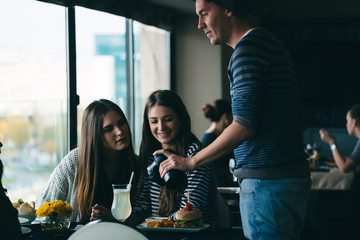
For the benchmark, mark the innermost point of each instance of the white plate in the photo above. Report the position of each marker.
(106, 230)
(143, 226)
(23, 220)
(25, 230)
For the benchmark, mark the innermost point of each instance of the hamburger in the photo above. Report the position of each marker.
(189, 217)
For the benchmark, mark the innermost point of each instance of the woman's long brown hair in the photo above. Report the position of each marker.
(169, 201)
(90, 155)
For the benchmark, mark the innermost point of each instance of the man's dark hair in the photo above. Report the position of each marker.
(243, 8)
(355, 113)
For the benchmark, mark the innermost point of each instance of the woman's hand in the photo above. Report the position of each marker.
(326, 136)
(99, 211)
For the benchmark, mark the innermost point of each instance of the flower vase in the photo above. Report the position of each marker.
(55, 226)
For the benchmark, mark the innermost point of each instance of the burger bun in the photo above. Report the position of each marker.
(188, 215)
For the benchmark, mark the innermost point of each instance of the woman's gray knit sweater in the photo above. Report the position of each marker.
(61, 185)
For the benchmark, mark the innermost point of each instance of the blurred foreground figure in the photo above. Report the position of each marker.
(9, 222)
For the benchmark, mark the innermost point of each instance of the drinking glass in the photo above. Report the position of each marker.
(309, 149)
(121, 206)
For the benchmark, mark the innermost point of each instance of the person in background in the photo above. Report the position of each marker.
(105, 156)
(270, 162)
(329, 211)
(9, 222)
(166, 124)
(346, 164)
(220, 115)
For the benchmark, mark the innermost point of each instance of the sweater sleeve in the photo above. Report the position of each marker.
(60, 184)
(247, 74)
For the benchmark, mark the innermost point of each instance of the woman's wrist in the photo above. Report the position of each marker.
(331, 142)
(333, 146)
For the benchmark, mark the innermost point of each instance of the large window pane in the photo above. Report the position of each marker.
(101, 58)
(151, 67)
(102, 66)
(33, 99)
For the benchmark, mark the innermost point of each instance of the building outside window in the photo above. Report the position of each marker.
(33, 78)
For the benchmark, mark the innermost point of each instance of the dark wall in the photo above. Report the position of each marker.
(326, 54)
(323, 37)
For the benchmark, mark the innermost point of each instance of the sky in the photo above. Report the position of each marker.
(23, 22)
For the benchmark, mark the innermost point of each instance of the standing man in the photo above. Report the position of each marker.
(271, 165)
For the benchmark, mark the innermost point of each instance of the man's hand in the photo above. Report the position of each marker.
(174, 161)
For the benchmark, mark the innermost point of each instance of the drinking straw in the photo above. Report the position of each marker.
(188, 196)
(131, 177)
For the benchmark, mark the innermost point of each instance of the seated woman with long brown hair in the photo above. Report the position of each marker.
(105, 156)
(167, 125)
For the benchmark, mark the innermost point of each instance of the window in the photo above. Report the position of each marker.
(33, 102)
(116, 58)
(151, 68)
(103, 59)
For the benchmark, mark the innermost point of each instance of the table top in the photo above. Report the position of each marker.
(331, 180)
(211, 233)
(224, 190)
(208, 234)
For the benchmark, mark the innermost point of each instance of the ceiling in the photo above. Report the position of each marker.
(184, 6)
(284, 9)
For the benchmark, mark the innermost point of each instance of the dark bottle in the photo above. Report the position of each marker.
(174, 179)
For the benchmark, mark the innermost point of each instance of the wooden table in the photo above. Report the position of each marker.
(333, 180)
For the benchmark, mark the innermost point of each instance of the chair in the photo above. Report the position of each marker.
(222, 214)
(106, 231)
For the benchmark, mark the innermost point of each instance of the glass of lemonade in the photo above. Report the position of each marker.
(121, 206)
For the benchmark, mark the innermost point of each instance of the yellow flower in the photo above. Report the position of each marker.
(55, 208)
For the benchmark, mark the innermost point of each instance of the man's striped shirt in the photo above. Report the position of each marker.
(265, 98)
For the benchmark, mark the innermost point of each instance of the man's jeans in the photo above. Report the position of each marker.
(274, 208)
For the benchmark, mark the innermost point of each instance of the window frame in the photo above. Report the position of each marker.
(73, 102)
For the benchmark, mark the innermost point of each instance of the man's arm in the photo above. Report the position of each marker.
(231, 137)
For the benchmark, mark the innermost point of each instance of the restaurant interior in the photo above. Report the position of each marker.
(323, 38)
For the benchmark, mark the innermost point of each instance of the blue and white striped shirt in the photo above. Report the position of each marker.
(265, 98)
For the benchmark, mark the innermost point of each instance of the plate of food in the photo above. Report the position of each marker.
(26, 211)
(185, 220)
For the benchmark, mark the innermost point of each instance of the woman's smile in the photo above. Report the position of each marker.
(164, 124)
